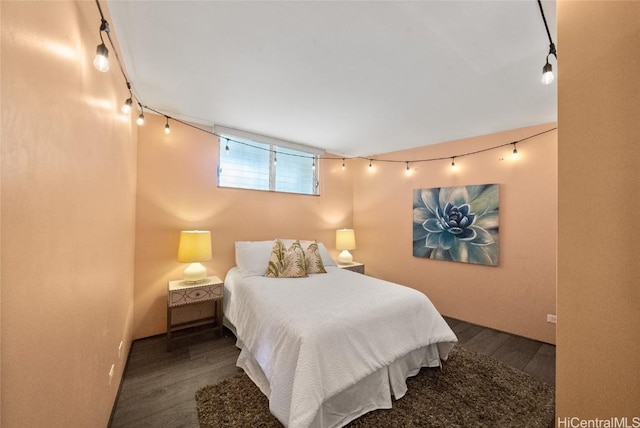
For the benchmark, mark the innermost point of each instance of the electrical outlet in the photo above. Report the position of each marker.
(112, 371)
(120, 349)
(552, 318)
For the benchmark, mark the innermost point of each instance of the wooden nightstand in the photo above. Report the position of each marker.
(353, 266)
(181, 293)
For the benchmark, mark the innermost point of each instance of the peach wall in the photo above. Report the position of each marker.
(598, 363)
(515, 296)
(177, 190)
(68, 162)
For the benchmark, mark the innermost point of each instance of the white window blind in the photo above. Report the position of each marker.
(250, 161)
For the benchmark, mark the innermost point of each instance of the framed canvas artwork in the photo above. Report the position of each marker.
(458, 224)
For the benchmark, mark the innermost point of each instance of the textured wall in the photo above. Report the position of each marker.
(514, 296)
(68, 219)
(177, 190)
(598, 368)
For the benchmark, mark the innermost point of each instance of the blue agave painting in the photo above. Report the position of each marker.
(457, 223)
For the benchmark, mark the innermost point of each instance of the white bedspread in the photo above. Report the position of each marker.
(314, 337)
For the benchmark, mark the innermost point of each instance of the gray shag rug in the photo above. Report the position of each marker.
(472, 390)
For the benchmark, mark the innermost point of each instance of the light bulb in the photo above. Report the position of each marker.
(227, 147)
(167, 129)
(515, 152)
(453, 164)
(140, 120)
(343, 164)
(126, 107)
(101, 61)
(313, 167)
(547, 74)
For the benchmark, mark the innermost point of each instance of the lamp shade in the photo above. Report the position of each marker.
(345, 239)
(195, 246)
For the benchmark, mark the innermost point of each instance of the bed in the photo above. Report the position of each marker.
(328, 347)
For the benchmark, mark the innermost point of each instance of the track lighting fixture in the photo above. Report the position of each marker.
(547, 73)
(275, 159)
(101, 60)
(140, 119)
(126, 107)
(370, 160)
(547, 69)
(167, 128)
(343, 164)
(453, 163)
(226, 148)
(313, 166)
(407, 170)
(515, 151)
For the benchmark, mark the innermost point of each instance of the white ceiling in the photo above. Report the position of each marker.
(355, 78)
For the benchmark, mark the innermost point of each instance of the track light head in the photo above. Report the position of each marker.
(514, 154)
(547, 74)
(547, 70)
(126, 107)
(101, 61)
(140, 119)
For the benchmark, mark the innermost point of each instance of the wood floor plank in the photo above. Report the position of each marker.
(517, 351)
(157, 399)
(466, 331)
(487, 341)
(223, 361)
(542, 365)
(182, 415)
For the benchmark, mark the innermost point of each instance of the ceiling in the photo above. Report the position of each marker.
(355, 78)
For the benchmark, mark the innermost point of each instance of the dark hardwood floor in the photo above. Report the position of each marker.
(158, 387)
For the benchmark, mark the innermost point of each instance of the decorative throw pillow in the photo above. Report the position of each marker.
(312, 258)
(327, 260)
(286, 262)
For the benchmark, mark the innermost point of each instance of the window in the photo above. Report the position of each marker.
(250, 161)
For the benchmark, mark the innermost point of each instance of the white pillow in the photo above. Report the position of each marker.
(252, 257)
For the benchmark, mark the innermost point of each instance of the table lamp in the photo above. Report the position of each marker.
(194, 247)
(345, 241)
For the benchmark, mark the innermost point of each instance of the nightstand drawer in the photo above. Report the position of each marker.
(193, 294)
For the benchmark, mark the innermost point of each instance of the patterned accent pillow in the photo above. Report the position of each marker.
(286, 262)
(312, 258)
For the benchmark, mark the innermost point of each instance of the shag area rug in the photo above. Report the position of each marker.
(472, 390)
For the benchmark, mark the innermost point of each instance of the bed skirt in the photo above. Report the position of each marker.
(373, 392)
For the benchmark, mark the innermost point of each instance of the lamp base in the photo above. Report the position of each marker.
(345, 257)
(195, 272)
